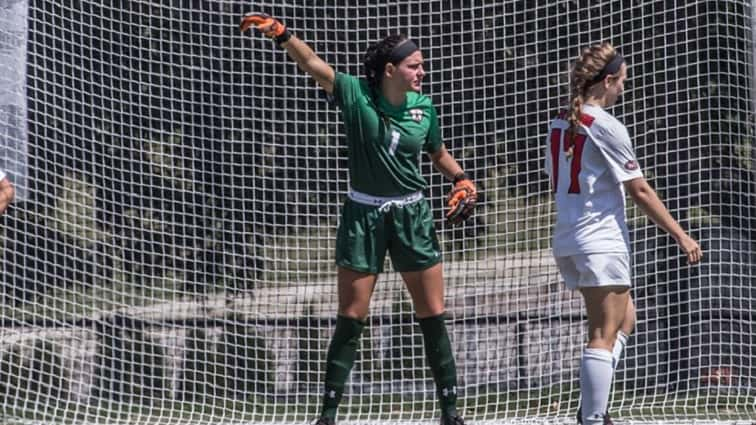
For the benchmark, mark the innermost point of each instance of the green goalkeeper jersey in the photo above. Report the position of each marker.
(385, 141)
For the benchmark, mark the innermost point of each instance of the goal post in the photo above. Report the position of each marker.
(173, 260)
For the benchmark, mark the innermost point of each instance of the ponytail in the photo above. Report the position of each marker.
(588, 69)
(376, 58)
(574, 114)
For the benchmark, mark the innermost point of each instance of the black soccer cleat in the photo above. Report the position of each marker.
(452, 420)
(607, 419)
(325, 420)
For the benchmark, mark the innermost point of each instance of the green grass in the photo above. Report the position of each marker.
(555, 402)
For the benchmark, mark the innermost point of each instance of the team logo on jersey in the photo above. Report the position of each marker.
(631, 165)
(417, 114)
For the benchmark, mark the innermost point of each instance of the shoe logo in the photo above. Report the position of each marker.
(331, 394)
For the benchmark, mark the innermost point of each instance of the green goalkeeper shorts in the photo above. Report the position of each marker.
(366, 232)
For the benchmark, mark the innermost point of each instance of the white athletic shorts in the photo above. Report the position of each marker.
(591, 270)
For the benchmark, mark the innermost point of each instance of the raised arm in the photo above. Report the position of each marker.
(648, 201)
(297, 49)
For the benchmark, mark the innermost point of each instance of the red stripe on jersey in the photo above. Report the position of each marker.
(555, 136)
(586, 120)
(573, 144)
(575, 166)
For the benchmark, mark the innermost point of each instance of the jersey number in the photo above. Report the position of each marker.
(573, 152)
(394, 142)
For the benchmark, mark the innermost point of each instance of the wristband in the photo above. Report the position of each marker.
(460, 176)
(283, 38)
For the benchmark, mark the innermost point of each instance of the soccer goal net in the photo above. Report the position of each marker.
(172, 261)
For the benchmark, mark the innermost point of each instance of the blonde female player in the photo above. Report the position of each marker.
(591, 163)
(387, 123)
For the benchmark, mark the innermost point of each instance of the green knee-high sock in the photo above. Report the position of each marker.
(441, 361)
(339, 361)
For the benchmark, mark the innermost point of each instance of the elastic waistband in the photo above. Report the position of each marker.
(384, 203)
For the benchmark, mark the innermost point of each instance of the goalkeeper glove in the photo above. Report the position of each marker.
(266, 24)
(461, 200)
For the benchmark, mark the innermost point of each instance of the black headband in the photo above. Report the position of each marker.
(401, 51)
(610, 68)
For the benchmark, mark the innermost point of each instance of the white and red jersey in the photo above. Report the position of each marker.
(586, 175)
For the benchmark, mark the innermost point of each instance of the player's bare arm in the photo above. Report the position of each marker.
(7, 193)
(445, 163)
(648, 201)
(464, 195)
(297, 49)
(310, 63)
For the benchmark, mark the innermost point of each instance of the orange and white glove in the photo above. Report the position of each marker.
(461, 200)
(266, 24)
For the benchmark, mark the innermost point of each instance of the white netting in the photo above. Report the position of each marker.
(174, 259)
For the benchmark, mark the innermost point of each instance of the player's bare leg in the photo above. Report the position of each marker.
(355, 289)
(607, 309)
(426, 287)
(626, 329)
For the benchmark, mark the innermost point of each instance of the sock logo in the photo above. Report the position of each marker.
(447, 391)
(331, 393)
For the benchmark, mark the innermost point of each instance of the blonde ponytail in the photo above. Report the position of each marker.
(586, 68)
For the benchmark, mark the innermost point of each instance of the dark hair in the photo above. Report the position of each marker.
(376, 58)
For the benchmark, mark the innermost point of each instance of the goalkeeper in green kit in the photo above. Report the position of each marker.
(387, 123)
